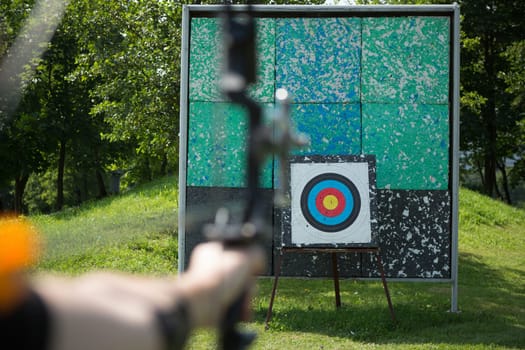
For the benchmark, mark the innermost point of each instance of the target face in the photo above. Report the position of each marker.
(330, 203)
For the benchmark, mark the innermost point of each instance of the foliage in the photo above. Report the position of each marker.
(39, 194)
(515, 79)
(492, 32)
(21, 144)
(103, 97)
(131, 49)
(13, 15)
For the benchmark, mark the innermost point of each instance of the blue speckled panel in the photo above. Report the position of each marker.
(406, 60)
(333, 129)
(318, 59)
(411, 145)
(205, 60)
(217, 146)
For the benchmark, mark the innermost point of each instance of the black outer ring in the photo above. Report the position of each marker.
(348, 221)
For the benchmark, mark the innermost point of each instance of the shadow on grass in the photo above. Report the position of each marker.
(492, 309)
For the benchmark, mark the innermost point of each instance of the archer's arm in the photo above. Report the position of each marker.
(111, 311)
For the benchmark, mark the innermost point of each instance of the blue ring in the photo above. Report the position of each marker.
(322, 222)
(326, 220)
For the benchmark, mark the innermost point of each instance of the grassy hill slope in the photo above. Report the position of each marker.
(134, 232)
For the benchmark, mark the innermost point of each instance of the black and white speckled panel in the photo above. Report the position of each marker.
(414, 234)
(319, 265)
(202, 204)
(314, 265)
(310, 264)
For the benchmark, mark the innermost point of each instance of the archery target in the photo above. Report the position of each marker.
(330, 203)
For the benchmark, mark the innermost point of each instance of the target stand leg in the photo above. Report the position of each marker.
(274, 289)
(385, 286)
(335, 272)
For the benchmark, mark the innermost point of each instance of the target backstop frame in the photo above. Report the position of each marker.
(197, 181)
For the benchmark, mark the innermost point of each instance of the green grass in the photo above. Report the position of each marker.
(135, 233)
(132, 232)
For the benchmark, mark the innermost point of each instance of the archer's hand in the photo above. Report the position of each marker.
(216, 278)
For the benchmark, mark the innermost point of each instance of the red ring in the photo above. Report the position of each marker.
(330, 212)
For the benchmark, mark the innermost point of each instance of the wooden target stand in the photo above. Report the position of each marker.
(370, 249)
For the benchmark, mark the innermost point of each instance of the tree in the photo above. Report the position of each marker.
(488, 122)
(22, 146)
(21, 141)
(515, 79)
(133, 51)
(13, 15)
(53, 113)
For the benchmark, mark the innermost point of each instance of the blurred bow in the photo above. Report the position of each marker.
(275, 137)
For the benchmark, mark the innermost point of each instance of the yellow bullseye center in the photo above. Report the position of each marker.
(330, 202)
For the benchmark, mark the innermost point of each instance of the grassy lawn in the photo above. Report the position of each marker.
(135, 232)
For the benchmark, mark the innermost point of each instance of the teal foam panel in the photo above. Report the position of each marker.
(217, 146)
(406, 60)
(318, 59)
(411, 145)
(206, 60)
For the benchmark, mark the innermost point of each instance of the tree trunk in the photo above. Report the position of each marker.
(149, 173)
(101, 186)
(98, 173)
(85, 187)
(20, 186)
(60, 177)
(489, 182)
(479, 166)
(489, 115)
(164, 164)
(490, 158)
(498, 192)
(505, 181)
